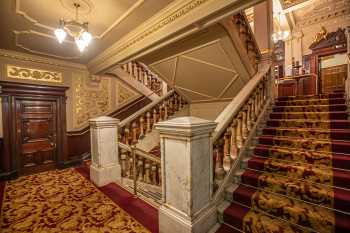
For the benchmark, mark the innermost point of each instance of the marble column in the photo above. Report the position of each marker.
(187, 171)
(105, 167)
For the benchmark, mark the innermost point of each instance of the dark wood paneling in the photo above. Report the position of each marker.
(31, 112)
(78, 142)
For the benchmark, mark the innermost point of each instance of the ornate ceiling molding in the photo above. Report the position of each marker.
(319, 18)
(18, 44)
(168, 21)
(115, 23)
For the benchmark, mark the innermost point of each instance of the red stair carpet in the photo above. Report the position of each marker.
(298, 177)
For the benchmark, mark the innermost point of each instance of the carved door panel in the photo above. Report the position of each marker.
(36, 135)
(333, 78)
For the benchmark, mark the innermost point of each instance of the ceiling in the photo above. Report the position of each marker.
(27, 25)
(203, 67)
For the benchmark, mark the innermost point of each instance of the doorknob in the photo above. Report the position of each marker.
(53, 145)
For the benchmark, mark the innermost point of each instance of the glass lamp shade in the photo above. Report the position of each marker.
(86, 37)
(280, 35)
(60, 35)
(80, 44)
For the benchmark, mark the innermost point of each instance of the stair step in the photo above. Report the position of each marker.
(338, 134)
(297, 212)
(310, 102)
(321, 96)
(298, 123)
(311, 108)
(331, 197)
(248, 220)
(337, 115)
(313, 173)
(337, 146)
(227, 229)
(337, 160)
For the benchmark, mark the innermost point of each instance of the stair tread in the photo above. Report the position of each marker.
(319, 194)
(320, 218)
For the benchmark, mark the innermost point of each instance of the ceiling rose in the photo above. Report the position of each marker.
(85, 8)
(77, 30)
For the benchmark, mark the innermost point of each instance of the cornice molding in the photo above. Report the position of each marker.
(41, 60)
(178, 19)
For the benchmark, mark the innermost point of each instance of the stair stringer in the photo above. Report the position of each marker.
(129, 79)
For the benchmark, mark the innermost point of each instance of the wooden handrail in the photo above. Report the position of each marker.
(144, 110)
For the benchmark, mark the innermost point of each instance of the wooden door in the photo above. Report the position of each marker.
(333, 78)
(36, 135)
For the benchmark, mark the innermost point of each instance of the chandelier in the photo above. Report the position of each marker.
(280, 34)
(79, 31)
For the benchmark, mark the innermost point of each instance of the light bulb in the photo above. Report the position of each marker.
(60, 34)
(81, 44)
(86, 37)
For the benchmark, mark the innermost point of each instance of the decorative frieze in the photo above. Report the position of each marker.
(17, 72)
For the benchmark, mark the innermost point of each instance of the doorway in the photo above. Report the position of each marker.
(34, 125)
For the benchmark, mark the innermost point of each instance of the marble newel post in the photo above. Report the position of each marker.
(187, 171)
(105, 167)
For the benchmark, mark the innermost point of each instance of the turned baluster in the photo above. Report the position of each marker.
(233, 142)
(147, 176)
(142, 127)
(159, 175)
(256, 101)
(171, 106)
(126, 135)
(160, 110)
(130, 68)
(165, 107)
(227, 162)
(148, 122)
(134, 71)
(239, 137)
(219, 169)
(176, 103)
(140, 169)
(134, 132)
(154, 173)
(245, 131)
(155, 118)
(140, 72)
(130, 173)
(123, 165)
(145, 76)
(249, 116)
(125, 67)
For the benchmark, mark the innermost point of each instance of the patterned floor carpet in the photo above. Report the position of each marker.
(62, 201)
(298, 177)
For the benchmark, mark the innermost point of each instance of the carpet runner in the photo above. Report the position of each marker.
(66, 201)
(297, 179)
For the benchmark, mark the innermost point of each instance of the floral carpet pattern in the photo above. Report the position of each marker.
(61, 201)
(298, 177)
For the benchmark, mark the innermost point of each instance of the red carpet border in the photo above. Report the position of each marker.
(144, 213)
(297, 178)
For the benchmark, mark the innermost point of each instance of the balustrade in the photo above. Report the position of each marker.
(247, 38)
(228, 145)
(143, 123)
(144, 76)
(139, 166)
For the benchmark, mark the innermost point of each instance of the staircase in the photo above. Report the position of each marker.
(297, 176)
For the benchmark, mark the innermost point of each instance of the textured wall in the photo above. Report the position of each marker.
(208, 111)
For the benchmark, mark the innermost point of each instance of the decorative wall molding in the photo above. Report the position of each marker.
(170, 20)
(40, 60)
(17, 72)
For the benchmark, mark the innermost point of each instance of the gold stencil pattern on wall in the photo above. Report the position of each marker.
(33, 74)
(124, 94)
(90, 101)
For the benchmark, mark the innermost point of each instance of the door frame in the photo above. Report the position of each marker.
(10, 92)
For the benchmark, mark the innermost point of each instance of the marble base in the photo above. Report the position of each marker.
(105, 175)
(170, 221)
